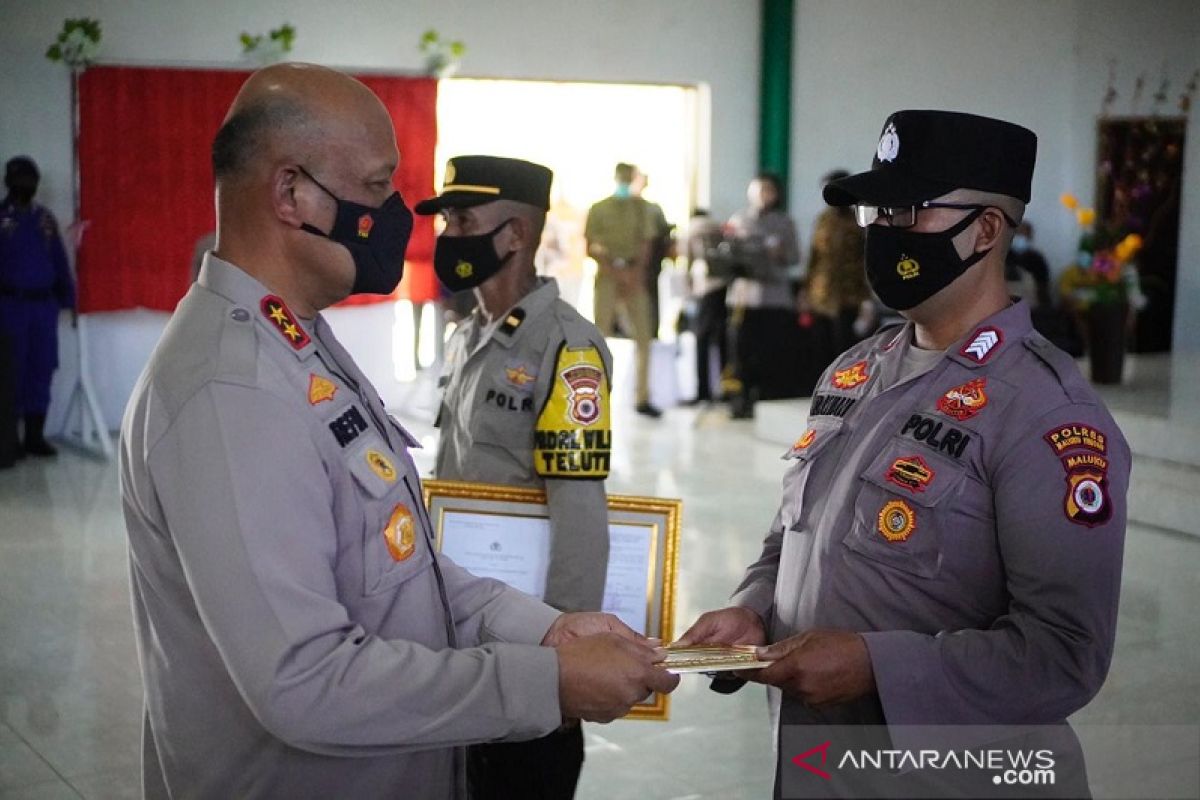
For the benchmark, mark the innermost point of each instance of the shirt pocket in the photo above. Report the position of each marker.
(395, 544)
(815, 443)
(503, 419)
(901, 509)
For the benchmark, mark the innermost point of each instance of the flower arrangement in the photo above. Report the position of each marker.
(77, 43)
(442, 56)
(269, 47)
(1104, 270)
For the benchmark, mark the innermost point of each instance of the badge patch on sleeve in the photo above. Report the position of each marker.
(851, 376)
(573, 437)
(400, 533)
(806, 439)
(897, 521)
(1087, 500)
(1076, 435)
(964, 402)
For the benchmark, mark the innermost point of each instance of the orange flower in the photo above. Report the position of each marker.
(1086, 216)
(1069, 201)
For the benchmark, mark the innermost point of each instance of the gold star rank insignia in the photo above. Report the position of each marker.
(281, 318)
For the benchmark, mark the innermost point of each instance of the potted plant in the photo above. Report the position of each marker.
(1102, 290)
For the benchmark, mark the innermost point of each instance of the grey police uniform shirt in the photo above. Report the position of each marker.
(298, 636)
(968, 521)
(496, 386)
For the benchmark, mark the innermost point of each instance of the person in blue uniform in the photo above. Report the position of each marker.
(35, 283)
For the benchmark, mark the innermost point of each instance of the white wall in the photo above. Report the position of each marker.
(665, 41)
(1041, 64)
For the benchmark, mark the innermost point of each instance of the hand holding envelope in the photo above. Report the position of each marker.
(820, 667)
(605, 667)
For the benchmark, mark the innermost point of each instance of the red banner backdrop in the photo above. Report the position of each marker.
(147, 186)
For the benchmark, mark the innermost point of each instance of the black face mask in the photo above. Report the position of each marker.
(377, 239)
(464, 262)
(906, 268)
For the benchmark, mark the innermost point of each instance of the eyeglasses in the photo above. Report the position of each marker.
(906, 216)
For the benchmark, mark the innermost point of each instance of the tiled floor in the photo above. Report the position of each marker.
(70, 690)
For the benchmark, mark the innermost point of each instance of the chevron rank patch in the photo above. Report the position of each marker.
(979, 349)
(281, 318)
(573, 436)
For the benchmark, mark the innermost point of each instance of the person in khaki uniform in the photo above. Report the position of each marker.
(526, 403)
(947, 551)
(298, 634)
(620, 232)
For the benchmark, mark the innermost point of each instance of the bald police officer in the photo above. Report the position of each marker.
(948, 546)
(526, 403)
(298, 635)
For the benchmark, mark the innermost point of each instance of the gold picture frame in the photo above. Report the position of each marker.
(647, 531)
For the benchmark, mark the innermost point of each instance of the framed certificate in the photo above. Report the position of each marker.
(503, 532)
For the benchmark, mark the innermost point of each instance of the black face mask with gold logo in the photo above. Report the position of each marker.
(906, 268)
(464, 262)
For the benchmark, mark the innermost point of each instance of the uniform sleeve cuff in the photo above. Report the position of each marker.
(759, 599)
(529, 686)
(518, 618)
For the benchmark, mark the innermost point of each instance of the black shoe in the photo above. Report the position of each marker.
(35, 443)
(647, 410)
(695, 401)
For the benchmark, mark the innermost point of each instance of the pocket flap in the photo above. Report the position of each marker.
(815, 438)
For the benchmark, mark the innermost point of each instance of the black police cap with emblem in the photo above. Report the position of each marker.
(926, 154)
(475, 180)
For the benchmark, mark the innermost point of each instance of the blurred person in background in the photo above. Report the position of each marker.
(761, 303)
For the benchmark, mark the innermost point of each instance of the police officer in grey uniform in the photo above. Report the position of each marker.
(948, 546)
(298, 635)
(526, 404)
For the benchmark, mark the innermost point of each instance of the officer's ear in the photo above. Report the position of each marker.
(520, 231)
(294, 200)
(991, 225)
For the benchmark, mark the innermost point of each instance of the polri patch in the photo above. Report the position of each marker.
(936, 433)
(965, 401)
(284, 321)
(896, 521)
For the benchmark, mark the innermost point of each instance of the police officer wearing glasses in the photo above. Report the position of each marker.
(948, 546)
